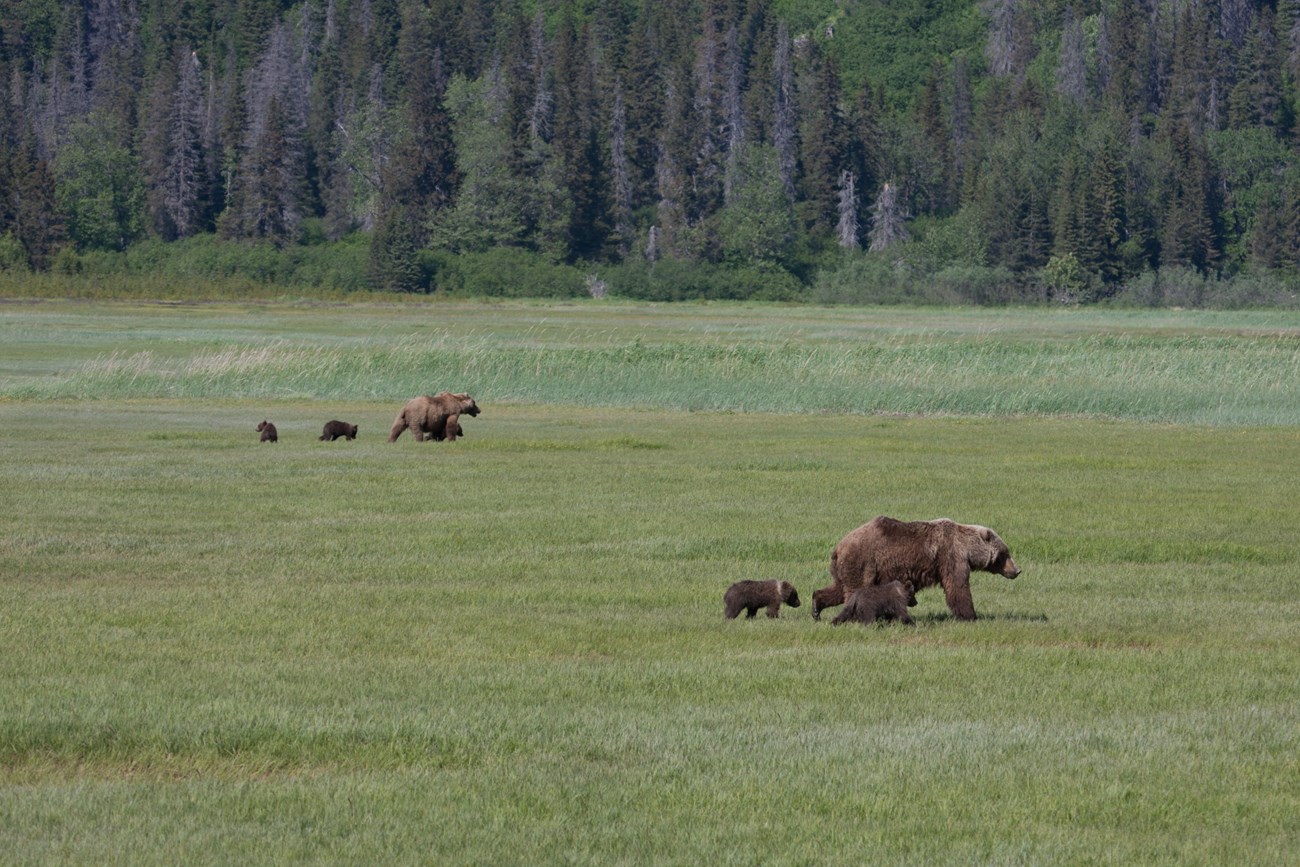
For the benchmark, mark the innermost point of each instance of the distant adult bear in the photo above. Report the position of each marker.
(338, 430)
(922, 553)
(889, 601)
(450, 431)
(437, 417)
(269, 434)
(750, 596)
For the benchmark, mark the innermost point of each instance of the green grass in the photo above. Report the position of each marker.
(510, 649)
(1190, 369)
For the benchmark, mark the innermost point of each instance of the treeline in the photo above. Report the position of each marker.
(992, 151)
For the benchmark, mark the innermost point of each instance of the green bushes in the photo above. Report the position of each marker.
(674, 280)
(204, 267)
(503, 272)
(872, 279)
(339, 266)
(1186, 287)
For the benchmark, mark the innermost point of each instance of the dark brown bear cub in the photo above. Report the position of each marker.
(268, 432)
(750, 596)
(889, 601)
(338, 430)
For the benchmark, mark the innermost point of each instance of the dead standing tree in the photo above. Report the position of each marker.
(888, 220)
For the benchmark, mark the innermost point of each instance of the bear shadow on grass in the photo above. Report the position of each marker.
(1009, 617)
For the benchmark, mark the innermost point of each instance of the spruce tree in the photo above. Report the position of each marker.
(37, 223)
(184, 179)
(822, 142)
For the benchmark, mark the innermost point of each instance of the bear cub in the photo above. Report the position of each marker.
(875, 602)
(750, 596)
(268, 432)
(338, 430)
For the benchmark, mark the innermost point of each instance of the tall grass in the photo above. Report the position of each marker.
(1200, 370)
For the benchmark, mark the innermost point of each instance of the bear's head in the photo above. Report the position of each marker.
(467, 404)
(352, 431)
(789, 595)
(262, 425)
(909, 591)
(989, 553)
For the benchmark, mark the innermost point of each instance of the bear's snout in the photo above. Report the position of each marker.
(1011, 570)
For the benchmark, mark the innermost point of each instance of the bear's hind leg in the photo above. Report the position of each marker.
(827, 597)
(399, 425)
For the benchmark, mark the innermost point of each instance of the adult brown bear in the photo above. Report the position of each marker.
(436, 416)
(922, 553)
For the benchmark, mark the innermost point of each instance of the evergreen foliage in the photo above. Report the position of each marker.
(1084, 143)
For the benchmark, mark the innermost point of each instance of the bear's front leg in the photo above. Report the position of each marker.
(957, 594)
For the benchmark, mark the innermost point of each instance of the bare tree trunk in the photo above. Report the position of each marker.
(185, 171)
(1072, 71)
(847, 228)
(620, 175)
(887, 220)
(783, 120)
(733, 110)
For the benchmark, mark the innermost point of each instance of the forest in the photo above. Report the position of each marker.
(953, 151)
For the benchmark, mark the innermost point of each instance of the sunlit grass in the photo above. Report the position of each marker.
(511, 650)
(1224, 369)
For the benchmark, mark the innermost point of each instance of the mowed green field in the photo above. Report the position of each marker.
(511, 650)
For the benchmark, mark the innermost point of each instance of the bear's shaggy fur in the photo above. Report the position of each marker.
(750, 596)
(436, 416)
(268, 432)
(889, 601)
(922, 553)
(338, 430)
(450, 430)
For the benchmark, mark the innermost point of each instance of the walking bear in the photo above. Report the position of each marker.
(922, 553)
(889, 601)
(749, 596)
(338, 430)
(436, 416)
(268, 432)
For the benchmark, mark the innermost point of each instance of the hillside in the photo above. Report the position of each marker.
(1002, 150)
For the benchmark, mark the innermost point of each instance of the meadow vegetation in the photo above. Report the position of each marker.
(511, 650)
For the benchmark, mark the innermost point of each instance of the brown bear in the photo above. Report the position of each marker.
(753, 595)
(449, 430)
(437, 416)
(922, 553)
(268, 432)
(338, 430)
(889, 601)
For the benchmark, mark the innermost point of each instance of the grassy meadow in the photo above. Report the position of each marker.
(510, 649)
